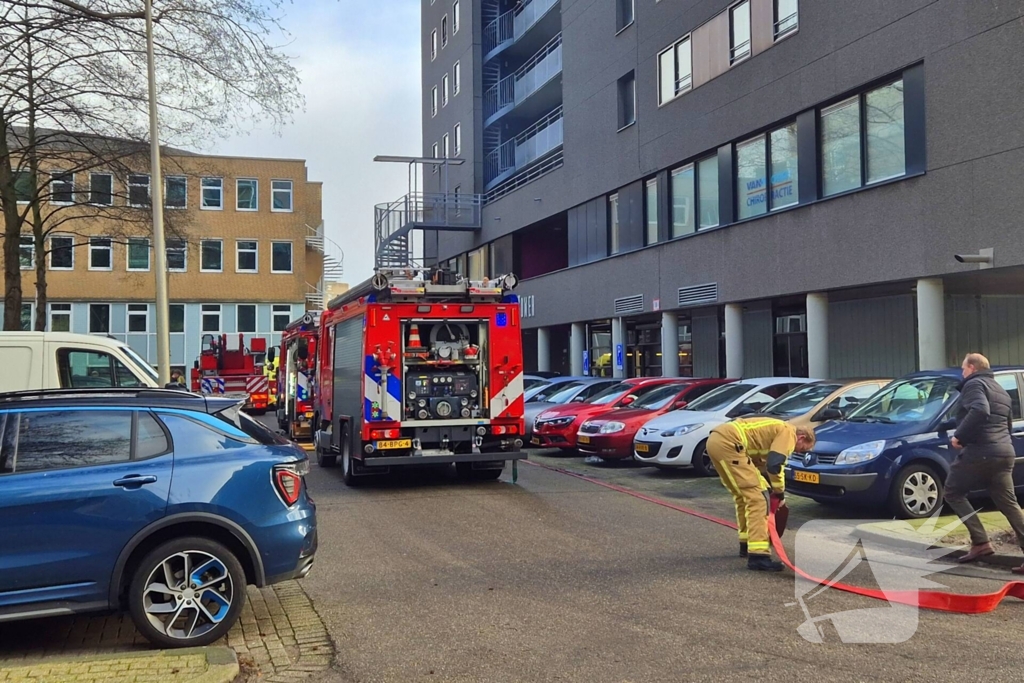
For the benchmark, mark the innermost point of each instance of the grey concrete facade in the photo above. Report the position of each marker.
(870, 246)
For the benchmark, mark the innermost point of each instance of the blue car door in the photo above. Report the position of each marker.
(75, 486)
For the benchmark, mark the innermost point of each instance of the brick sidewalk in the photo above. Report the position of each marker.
(278, 638)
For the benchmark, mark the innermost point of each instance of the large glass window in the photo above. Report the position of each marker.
(751, 186)
(624, 15)
(433, 101)
(138, 190)
(652, 210)
(177, 192)
(27, 309)
(683, 201)
(27, 252)
(99, 318)
(281, 195)
(177, 317)
(62, 188)
(456, 78)
(477, 263)
(444, 90)
(455, 17)
(247, 194)
(282, 315)
(627, 100)
(675, 70)
(739, 34)
(886, 144)
(786, 17)
(62, 253)
(138, 253)
(101, 189)
(613, 224)
(281, 257)
(138, 317)
(785, 190)
(246, 317)
(246, 260)
(707, 182)
(840, 147)
(60, 317)
(100, 253)
(211, 256)
(685, 348)
(211, 317)
(177, 255)
(213, 193)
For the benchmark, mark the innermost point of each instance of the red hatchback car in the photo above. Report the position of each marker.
(556, 428)
(609, 434)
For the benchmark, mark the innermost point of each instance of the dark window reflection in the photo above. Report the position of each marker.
(73, 438)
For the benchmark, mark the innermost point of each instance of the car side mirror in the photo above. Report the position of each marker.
(826, 414)
(628, 400)
(947, 425)
(681, 404)
(271, 353)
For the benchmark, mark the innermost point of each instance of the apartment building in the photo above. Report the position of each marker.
(246, 252)
(741, 188)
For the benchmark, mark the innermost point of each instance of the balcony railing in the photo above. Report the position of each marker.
(528, 79)
(532, 144)
(513, 25)
(529, 14)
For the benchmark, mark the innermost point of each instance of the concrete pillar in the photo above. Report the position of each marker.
(543, 349)
(577, 345)
(817, 335)
(618, 339)
(931, 324)
(734, 340)
(669, 344)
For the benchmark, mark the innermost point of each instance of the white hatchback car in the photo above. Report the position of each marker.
(679, 439)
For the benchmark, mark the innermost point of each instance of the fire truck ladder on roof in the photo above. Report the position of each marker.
(395, 222)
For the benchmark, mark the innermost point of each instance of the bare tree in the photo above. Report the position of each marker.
(73, 100)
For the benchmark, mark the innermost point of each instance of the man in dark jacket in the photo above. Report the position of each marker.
(984, 425)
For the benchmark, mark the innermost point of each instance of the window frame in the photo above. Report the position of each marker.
(170, 318)
(444, 90)
(51, 314)
(71, 250)
(444, 31)
(89, 322)
(274, 312)
(34, 187)
(255, 318)
(202, 244)
(202, 318)
(128, 255)
(768, 160)
(695, 211)
(129, 314)
(696, 183)
(433, 101)
(184, 251)
(149, 189)
(445, 146)
(255, 194)
(621, 22)
(167, 192)
(455, 17)
(614, 225)
(433, 45)
(456, 77)
(677, 91)
(735, 59)
(92, 177)
(110, 253)
(290, 191)
(31, 314)
(31, 251)
(648, 184)
(776, 20)
(53, 192)
(433, 167)
(627, 80)
(203, 187)
(457, 146)
(255, 253)
(291, 258)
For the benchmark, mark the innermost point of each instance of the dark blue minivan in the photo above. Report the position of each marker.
(893, 451)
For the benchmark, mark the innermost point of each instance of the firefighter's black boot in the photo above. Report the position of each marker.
(743, 548)
(763, 563)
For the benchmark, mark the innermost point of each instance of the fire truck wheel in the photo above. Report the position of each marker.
(347, 475)
(465, 471)
(325, 460)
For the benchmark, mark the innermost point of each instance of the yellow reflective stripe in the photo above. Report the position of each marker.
(743, 536)
(742, 427)
(754, 546)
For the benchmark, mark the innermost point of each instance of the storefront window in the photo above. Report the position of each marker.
(840, 147)
(707, 180)
(600, 350)
(885, 134)
(682, 201)
(751, 186)
(785, 191)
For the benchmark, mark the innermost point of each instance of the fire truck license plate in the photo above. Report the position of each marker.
(808, 477)
(397, 443)
(309, 414)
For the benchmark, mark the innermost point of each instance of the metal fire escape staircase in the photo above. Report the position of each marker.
(333, 264)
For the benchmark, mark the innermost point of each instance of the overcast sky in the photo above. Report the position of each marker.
(360, 68)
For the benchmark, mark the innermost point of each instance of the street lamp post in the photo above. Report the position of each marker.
(163, 339)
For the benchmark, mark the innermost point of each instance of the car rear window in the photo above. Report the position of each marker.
(720, 397)
(236, 418)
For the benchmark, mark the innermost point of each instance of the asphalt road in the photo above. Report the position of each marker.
(420, 577)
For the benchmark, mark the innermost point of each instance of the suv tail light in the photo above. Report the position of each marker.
(288, 480)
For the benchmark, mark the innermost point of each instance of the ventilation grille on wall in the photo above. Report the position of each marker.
(698, 294)
(629, 304)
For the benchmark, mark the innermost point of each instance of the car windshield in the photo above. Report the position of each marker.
(912, 400)
(568, 392)
(801, 400)
(142, 365)
(531, 382)
(547, 392)
(609, 394)
(658, 398)
(720, 398)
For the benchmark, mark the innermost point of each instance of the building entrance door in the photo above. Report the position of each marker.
(791, 345)
(643, 353)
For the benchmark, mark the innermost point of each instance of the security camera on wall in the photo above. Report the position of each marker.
(983, 258)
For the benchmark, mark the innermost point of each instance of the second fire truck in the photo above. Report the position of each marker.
(227, 367)
(421, 368)
(296, 376)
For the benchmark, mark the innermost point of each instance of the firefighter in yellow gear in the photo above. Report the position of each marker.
(270, 372)
(749, 455)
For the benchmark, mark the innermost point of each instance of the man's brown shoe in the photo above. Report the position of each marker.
(977, 552)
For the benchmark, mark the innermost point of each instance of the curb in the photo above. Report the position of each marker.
(903, 541)
(221, 662)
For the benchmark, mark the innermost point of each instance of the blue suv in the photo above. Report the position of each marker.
(159, 501)
(894, 449)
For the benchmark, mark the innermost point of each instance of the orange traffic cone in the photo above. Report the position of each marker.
(415, 347)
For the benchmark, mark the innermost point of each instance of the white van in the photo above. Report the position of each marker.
(61, 360)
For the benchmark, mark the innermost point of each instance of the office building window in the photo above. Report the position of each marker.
(886, 142)
(138, 253)
(739, 32)
(455, 17)
(138, 318)
(99, 318)
(101, 189)
(433, 45)
(751, 186)
(613, 224)
(280, 257)
(785, 191)
(683, 201)
(138, 190)
(477, 262)
(707, 192)
(213, 193)
(210, 317)
(27, 317)
(433, 101)
(627, 100)
(444, 31)
(62, 188)
(444, 146)
(27, 252)
(176, 320)
(282, 315)
(675, 71)
(211, 256)
(176, 188)
(246, 317)
(651, 209)
(281, 195)
(433, 155)
(177, 255)
(247, 194)
(246, 256)
(24, 187)
(62, 253)
(100, 253)
(623, 14)
(456, 78)
(444, 90)
(60, 317)
(458, 139)
(786, 17)
(840, 147)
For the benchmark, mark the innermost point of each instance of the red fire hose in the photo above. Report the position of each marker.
(959, 603)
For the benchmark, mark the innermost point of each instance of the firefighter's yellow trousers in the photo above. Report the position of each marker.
(749, 490)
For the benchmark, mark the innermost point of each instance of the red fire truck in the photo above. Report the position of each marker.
(421, 368)
(296, 376)
(225, 366)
